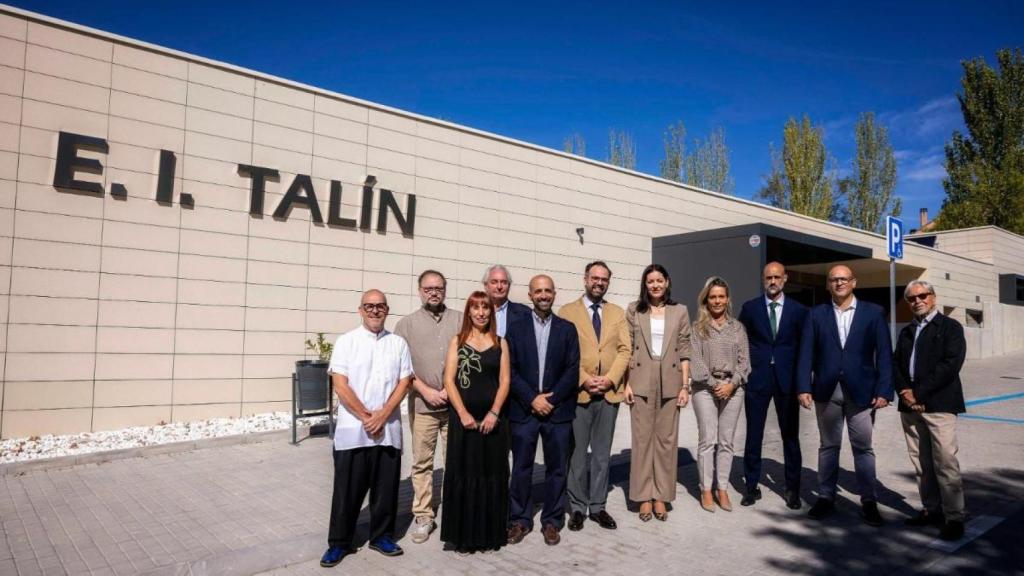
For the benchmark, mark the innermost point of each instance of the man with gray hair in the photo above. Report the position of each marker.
(929, 354)
(497, 281)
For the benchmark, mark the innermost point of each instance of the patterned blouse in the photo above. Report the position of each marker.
(723, 355)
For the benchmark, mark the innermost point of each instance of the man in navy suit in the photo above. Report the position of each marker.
(774, 327)
(846, 369)
(545, 354)
(497, 282)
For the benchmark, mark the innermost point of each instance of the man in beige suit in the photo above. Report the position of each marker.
(604, 354)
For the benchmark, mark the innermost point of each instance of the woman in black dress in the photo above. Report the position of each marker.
(476, 376)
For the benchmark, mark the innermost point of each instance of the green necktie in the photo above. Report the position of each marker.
(774, 319)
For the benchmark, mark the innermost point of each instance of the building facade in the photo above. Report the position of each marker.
(172, 229)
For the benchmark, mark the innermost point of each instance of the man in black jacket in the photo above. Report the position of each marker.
(929, 354)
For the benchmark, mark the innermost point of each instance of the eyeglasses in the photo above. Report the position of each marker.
(916, 297)
(382, 307)
(841, 280)
(432, 289)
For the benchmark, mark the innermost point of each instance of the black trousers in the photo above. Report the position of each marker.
(356, 471)
(787, 410)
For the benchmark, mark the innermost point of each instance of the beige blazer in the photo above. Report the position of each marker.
(646, 374)
(610, 356)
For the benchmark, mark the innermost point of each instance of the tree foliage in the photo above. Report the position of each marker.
(985, 167)
(802, 179)
(707, 166)
(575, 144)
(675, 148)
(869, 189)
(621, 149)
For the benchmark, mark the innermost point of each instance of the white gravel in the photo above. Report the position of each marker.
(35, 448)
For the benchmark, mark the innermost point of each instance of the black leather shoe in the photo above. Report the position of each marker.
(869, 512)
(576, 521)
(604, 520)
(750, 497)
(822, 509)
(952, 530)
(925, 518)
(793, 500)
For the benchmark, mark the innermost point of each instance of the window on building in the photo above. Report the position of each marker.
(975, 318)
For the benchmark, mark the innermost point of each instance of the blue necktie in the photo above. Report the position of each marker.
(596, 319)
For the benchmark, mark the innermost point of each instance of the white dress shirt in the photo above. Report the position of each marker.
(588, 304)
(920, 326)
(778, 309)
(373, 363)
(844, 319)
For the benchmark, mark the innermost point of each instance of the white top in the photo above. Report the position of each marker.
(844, 319)
(657, 335)
(373, 363)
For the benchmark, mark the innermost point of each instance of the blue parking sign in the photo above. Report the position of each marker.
(894, 237)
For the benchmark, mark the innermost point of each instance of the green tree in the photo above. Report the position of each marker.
(575, 144)
(621, 149)
(985, 168)
(869, 189)
(675, 148)
(801, 179)
(707, 166)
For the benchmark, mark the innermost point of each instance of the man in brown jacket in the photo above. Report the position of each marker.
(604, 354)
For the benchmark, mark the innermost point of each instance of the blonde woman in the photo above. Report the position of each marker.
(719, 368)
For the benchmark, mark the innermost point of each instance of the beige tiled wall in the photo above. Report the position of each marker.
(125, 312)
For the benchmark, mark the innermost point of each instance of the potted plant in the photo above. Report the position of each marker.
(311, 393)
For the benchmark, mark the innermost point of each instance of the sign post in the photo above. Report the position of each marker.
(894, 243)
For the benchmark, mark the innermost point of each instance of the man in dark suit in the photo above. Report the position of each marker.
(545, 354)
(845, 367)
(929, 354)
(497, 282)
(774, 327)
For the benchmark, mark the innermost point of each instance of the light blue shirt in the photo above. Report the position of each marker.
(920, 325)
(541, 331)
(501, 314)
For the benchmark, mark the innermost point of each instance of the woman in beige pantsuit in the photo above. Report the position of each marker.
(655, 390)
(720, 365)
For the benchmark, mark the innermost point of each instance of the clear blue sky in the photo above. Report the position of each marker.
(540, 71)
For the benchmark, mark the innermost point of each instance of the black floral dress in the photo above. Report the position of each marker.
(475, 510)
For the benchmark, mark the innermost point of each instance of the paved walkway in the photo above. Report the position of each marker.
(262, 507)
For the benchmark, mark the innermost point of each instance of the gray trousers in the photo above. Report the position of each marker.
(716, 430)
(859, 423)
(593, 427)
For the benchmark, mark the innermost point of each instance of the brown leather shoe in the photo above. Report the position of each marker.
(551, 536)
(516, 533)
(723, 500)
(707, 501)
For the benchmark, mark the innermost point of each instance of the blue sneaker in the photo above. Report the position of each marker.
(333, 556)
(386, 546)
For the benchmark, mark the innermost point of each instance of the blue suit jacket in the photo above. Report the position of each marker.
(515, 312)
(863, 368)
(784, 348)
(561, 368)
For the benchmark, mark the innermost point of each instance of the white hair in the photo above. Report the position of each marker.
(922, 283)
(495, 267)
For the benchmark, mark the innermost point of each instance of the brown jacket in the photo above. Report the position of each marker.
(647, 375)
(610, 356)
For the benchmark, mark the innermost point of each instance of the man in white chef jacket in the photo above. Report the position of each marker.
(371, 369)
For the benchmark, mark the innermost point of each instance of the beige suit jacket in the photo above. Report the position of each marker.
(610, 356)
(647, 375)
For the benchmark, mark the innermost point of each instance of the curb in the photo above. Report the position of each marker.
(26, 466)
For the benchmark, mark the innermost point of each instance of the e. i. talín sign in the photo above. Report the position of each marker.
(300, 191)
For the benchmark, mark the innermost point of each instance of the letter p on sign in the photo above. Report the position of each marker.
(894, 237)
